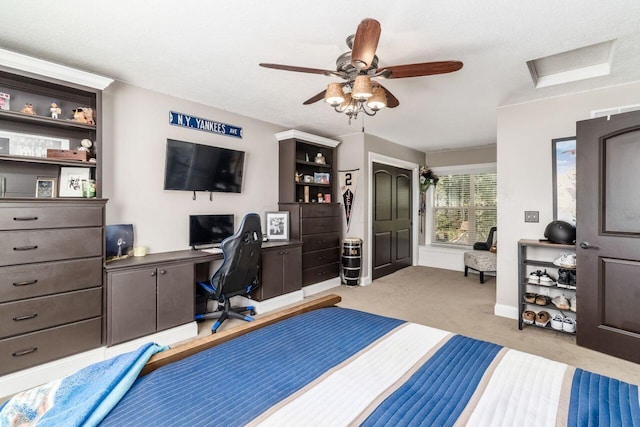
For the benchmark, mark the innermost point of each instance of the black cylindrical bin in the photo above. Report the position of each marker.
(351, 261)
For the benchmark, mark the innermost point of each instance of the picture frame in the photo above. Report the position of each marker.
(563, 152)
(46, 187)
(277, 225)
(321, 178)
(71, 181)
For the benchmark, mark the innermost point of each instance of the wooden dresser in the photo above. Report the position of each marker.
(51, 295)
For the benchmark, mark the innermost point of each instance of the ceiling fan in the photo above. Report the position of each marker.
(358, 67)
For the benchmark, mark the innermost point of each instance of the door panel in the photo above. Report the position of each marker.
(391, 219)
(608, 235)
(175, 295)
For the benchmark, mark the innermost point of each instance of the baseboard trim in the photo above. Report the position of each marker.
(316, 288)
(508, 311)
(168, 337)
(270, 304)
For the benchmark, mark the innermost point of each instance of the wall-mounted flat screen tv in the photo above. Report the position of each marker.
(209, 230)
(199, 167)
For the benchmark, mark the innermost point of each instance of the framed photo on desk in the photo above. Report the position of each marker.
(277, 225)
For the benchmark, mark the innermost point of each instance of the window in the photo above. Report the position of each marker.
(464, 208)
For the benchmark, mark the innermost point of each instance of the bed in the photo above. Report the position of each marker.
(335, 366)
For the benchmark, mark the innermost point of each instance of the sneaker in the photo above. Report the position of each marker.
(569, 325)
(530, 298)
(557, 322)
(566, 260)
(546, 279)
(563, 278)
(561, 302)
(528, 317)
(534, 277)
(573, 302)
(572, 280)
(542, 300)
(542, 318)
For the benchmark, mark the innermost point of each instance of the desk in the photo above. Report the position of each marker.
(145, 295)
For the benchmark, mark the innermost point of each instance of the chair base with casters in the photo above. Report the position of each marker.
(480, 261)
(237, 276)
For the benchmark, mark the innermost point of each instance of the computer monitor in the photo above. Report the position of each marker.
(209, 230)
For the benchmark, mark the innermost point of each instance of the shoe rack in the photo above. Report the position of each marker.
(534, 255)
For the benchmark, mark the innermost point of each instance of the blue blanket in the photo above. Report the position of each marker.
(83, 398)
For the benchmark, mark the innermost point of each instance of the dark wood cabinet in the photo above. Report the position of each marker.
(146, 300)
(50, 279)
(314, 218)
(280, 269)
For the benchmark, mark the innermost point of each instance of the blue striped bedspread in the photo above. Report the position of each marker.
(335, 367)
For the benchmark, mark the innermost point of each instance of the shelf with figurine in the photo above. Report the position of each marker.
(31, 118)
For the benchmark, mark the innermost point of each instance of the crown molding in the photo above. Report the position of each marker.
(29, 64)
(303, 136)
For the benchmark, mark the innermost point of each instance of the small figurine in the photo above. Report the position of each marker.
(299, 177)
(28, 109)
(84, 115)
(55, 110)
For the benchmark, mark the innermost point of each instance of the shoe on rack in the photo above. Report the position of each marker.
(573, 302)
(534, 277)
(528, 317)
(542, 318)
(566, 260)
(542, 300)
(557, 322)
(563, 278)
(546, 279)
(572, 279)
(561, 302)
(530, 298)
(569, 325)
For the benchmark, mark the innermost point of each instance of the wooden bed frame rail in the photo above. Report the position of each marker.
(192, 347)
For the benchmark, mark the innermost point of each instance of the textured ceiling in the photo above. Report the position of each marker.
(208, 52)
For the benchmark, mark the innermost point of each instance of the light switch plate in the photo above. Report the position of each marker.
(531, 216)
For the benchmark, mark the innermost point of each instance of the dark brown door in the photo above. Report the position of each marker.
(391, 219)
(608, 235)
(175, 295)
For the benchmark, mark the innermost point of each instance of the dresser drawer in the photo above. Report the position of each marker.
(34, 280)
(33, 349)
(316, 258)
(28, 246)
(319, 274)
(33, 314)
(320, 241)
(34, 217)
(320, 225)
(319, 210)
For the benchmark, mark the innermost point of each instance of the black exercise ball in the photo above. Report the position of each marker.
(560, 232)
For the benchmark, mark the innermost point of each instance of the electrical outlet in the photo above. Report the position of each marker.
(531, 216)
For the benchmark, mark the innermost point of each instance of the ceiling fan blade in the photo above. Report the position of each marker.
(298, 69)
(392, 101)
(315, 98)
(365, 43)
(423, 69)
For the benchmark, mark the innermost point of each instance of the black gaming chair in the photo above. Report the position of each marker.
(238, 274)
(485, 246)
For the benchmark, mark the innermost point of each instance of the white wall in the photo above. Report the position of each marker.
(524, 139)
(135, 134)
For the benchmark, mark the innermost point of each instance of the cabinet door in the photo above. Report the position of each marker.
(271, 277)
(292, 269)
(176, 295)
(131, 305)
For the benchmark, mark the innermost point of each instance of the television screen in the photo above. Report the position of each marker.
(208, 230)
(198, 167)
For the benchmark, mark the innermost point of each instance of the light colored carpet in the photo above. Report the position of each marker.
(447, 300)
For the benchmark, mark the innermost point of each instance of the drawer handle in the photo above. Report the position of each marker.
(322, 273)
(320, 242)
(25, 283)
(27, 317)
(162, 271)
(24, 352)
(153, 274)
(25, 248)
(25, 218)
(320, 257)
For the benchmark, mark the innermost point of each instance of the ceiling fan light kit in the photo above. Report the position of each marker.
(358, 93)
